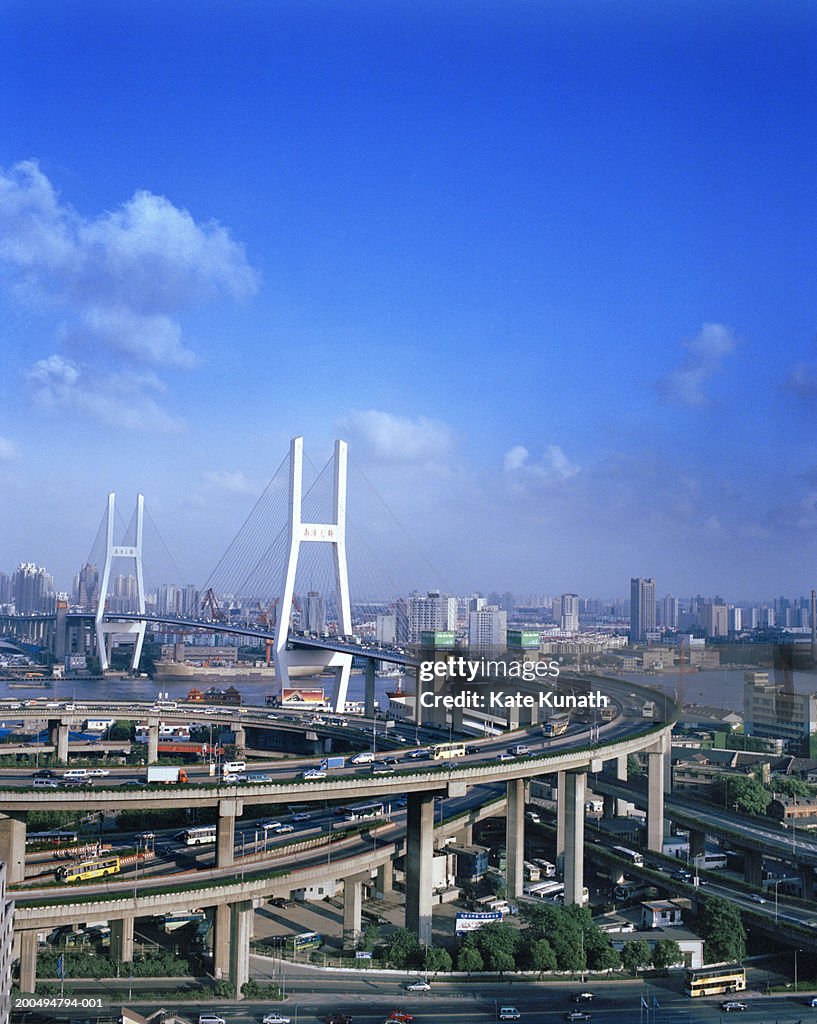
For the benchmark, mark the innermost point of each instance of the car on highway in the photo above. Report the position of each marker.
(44, 773)
(302, 816)
(211, 1018)
(338, 1018)
(268, 825)
(509, 1013)
(401, 1016)
(391, 760)
(313, 773)
(578, 1015)
(733, 1004)
(422, 752)
(282, 830)
(145, 835)
(812, 1001)
(418, 986)
(274, 1018)
(381, 769)
(756, 899)
(98, 773)
(582, 997)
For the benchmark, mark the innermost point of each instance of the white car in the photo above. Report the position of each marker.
(274, 1018)
(733, 1004)
(98, 772)
(302, 816)
(418, 986)
(313, 773)
(284, 829)
(756, 899)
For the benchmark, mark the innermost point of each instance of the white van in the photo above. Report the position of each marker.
(211, 1018)
(509, 1013)
(232, 767)
(76, 773)
(45, 784)
(520, 750)
(364, 757)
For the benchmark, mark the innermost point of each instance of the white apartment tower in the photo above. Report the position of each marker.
(642, 608)
(569, 618)
(487, 629)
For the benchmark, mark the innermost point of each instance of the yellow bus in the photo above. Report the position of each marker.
(448, 750)
(87, 869)
(715, 980)
(556, 726)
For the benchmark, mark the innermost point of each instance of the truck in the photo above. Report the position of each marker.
(167, 774)
(333, 762)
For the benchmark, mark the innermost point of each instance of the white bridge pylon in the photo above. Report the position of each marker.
(326, 533)
(105, 630)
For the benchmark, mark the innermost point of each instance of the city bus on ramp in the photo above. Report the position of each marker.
(555, 726)
(715, 980)
(87, 869)
(305, 940)
(198, 835)
(364, 812)
(446, 750)
(633, 856)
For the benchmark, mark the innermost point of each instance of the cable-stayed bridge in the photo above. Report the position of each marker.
(286, 580)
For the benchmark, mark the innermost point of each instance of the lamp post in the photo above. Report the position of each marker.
(796, 951)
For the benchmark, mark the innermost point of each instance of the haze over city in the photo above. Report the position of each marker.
(550, 272)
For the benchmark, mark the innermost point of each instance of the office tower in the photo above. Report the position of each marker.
(476, 603)
(86, 587)
(168, 600)
(668, 609)
(313, 612)
(642, 608)
(32, 587)
(487, 628)
(569, 618)
(431, 613)
(714, 619)
(735, 619)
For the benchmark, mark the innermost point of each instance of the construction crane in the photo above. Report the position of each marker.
(211, 601)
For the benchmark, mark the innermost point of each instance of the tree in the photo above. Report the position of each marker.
(498, 944)
(469, 958)
(742, 791)
(403, 949)
(371, 933)
(599, 951)
(665, 953)
(635, 955)
(542, 956)
(634, 767)
(437, 959)
(721, 928)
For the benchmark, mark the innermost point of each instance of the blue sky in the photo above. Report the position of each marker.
(550, 268)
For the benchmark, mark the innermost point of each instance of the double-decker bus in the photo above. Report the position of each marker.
(633, 856)
(445, 750)
(87, 869)
(363, 812)
(196, 836)
(714, 980)
(305, 940)
(555, 726)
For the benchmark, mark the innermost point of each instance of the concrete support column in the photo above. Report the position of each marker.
(465, 836)
(385, 879)
(221, 941)
(240, 915)
(352, 907)
(58, 737)
(153, 740)
(239, 738)
(655, 802)
(560, 823)
(122, 940)
(697, 843)
(575, 792)
(13, 844)
(515, 838)
(807, 882)
(753, 867)
(419, 868)
(621, 776)
(28, 961)
(368, 688)
(610, 808)
(228, 811)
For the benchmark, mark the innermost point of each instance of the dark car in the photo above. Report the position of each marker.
(472, 750)
(44, 773)
(338, 1018)
(76, 782)
(391, 760)
(280, 902)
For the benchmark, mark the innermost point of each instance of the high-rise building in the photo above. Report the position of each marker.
(776, 711)
(32, 587)
(313, 614)
(168, 600)
(714, 619)
(487, 629)
(569, 618)
(86, 587)
(642, 608)
(668, 612)
(386, 629)
(735, 619)
(431, 613)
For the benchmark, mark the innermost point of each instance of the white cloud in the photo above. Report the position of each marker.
(553, 465)
(120, 400)
(390, 438)
(8, 450)
(118, 281)
(704, 358)
(233, 481)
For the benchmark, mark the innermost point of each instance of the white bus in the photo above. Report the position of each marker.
(363, 812)
(548, 869)
(710, 861)
(633, 856)
(198, 835)
(448, 750)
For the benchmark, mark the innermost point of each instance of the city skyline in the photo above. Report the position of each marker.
(549, 271)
